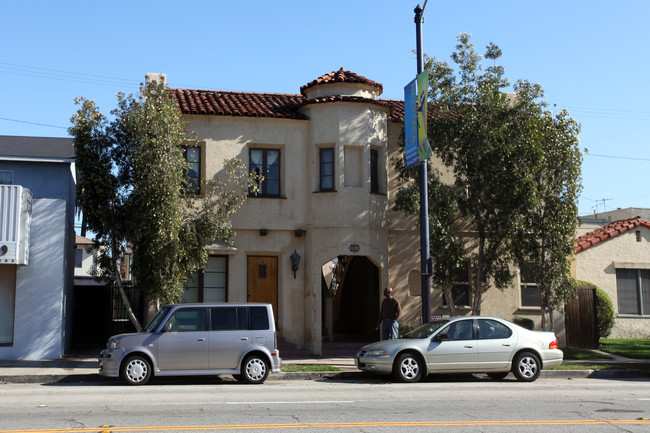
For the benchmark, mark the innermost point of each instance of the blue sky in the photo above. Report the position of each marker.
(591, 57)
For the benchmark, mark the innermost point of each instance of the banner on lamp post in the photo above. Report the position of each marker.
(410, 125)
(416, 146)
(424, 150)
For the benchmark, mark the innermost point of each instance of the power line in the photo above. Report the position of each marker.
(617, 157)
(32, 123)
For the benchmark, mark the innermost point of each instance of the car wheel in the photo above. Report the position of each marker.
(407, 368)
(136, 370)
(255, 369)
(526, 367)
(497, 376)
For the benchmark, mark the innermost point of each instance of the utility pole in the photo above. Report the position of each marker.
(425, 261)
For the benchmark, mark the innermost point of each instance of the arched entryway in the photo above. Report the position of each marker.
(350, 299)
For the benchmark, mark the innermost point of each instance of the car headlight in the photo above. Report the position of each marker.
(114, 344)
(377, 353)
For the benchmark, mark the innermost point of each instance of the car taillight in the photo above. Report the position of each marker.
(553, 344)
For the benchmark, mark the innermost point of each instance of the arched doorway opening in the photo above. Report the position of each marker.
(350, 299)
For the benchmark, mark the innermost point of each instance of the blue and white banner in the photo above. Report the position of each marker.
(411, 124)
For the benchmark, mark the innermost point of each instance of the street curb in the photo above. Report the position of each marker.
(326, 375)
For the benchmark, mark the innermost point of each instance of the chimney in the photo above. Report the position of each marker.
(156, 78)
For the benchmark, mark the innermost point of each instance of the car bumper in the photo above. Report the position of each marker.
(552, 358)
(374, 364)
(109, 363)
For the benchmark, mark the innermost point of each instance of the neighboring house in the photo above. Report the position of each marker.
(616, 258)
(37, 204)
(320, 240)
(92, 302)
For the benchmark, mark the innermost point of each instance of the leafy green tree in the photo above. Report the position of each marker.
(131, 191)
(544, 244)
(492, 142)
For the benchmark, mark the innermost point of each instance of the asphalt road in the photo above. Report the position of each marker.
(452, 405)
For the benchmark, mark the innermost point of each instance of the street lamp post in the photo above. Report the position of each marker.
(425, 264)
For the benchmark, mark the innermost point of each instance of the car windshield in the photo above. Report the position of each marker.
(160, 315)
(425, 330)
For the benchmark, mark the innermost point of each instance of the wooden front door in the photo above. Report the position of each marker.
(263, 281)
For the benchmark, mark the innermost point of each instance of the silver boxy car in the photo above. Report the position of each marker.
(463, 345)
(197, 339)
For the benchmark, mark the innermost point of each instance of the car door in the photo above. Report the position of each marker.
(496, 342)
(185, 345)
(229, 338)
(457, 351)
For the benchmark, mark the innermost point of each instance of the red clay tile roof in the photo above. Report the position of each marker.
(243, 104)
(609, 231)
(275, 105)
(342, 76)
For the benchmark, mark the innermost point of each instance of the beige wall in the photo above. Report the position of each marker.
(598, 264)
(331, 221)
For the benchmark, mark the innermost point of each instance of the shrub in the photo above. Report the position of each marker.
(524, 322)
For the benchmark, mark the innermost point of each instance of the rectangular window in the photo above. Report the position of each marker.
(78, 257)
(266, 163)
(633, 291)
(374, 171)
(528, 286)
(327, 169)
(6, 177)
(208, 284)
(7, 303)
(229, 318)
(192, 155)
(461, 290)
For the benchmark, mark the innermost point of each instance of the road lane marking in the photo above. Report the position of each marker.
(244, 403)
(342, 425)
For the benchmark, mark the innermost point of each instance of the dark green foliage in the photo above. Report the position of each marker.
(131, 192)
(524, 322)
(512, 171)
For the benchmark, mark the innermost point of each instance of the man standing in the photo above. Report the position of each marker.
(391, 310)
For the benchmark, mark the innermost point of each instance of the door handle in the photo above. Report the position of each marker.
(468, 347)
(506, 344)
(200, 339)
(244, 338)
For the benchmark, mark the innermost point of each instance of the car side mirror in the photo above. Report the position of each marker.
(167, 327)
(440, 337)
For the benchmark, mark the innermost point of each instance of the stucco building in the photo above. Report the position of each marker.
(326, 198)
(616, 258)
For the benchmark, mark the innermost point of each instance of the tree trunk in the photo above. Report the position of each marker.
(127, 304)
(117, 277)
(450, 301)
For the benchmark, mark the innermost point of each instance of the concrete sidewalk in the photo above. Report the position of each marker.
(84, 369)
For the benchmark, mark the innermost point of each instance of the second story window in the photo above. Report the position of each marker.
(192, 155)
(266, 162)
(326, 169)
(374, 171)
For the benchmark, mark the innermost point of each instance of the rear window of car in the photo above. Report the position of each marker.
(259, 318)
(491, 329)
(229, 318)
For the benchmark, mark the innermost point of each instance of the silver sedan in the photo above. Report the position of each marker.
(463, 345)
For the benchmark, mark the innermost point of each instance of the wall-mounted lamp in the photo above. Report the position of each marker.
(295, 262)
(264, 232)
